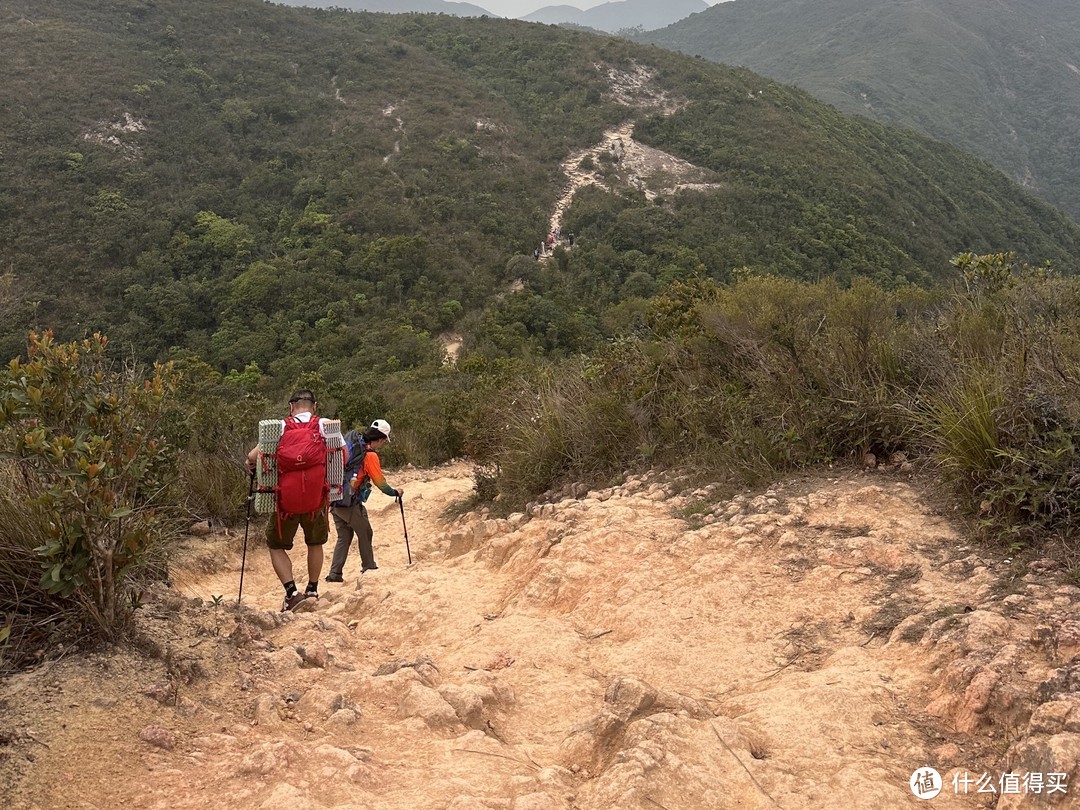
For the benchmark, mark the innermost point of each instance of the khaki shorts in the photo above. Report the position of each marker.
(281, 529)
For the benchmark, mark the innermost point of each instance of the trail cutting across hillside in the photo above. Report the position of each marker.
(620, 161)
(809, 646)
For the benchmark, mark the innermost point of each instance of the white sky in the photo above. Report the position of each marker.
(519, 8)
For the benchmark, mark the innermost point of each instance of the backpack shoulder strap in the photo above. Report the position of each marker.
(358, 462)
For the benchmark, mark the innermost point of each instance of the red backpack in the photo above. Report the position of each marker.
(301, 459)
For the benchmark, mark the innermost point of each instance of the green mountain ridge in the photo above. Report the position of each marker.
(398, 6)
(618, 15)
(1001, 80)
(325, 192)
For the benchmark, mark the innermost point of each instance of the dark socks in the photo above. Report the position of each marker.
(290, 587)
(313, 587)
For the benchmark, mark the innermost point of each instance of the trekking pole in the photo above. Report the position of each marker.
(247, 525)
(401, 503)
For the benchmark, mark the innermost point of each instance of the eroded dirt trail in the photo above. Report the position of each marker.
(808, 647)
(618, 160)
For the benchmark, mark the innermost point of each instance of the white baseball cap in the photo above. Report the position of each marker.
(382, 426)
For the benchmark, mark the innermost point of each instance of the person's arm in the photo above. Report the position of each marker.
(373, 468)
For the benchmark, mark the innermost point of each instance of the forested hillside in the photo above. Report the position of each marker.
(297, 191)
(1001, 80)
(398, 6)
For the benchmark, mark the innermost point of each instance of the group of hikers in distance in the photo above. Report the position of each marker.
(553, 238)
(302, 492)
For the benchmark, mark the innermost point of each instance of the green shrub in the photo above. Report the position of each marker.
(214, 486)
(85, 440)
(770, 374)
(426, 412)
(561, 424)
(961, 427)
(214, 427)
(30, 616)
(1004, 416)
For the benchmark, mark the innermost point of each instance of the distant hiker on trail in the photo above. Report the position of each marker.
(570, 238)
(350, 514)
(301, 496)
(536, 253)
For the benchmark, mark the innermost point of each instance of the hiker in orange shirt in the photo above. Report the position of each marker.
(350, 514)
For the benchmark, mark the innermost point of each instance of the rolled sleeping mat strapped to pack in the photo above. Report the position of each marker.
(335, 461)
(266, 472)
(264, 503)
(270, 433)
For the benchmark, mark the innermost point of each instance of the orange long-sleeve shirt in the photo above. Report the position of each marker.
(373, 475)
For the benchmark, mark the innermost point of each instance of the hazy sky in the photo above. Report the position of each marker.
(518, 8)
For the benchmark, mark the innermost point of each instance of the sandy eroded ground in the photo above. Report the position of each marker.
(810, 646)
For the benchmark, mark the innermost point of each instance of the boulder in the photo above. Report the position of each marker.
(628, 697)
(343, 718)
(267, 710)
(468, 703)
(320, 703)
(428, 705)
(158, 737)
(268, 757)
(1045, 755)
(314, 655)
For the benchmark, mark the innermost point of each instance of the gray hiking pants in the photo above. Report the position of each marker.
(350, 520)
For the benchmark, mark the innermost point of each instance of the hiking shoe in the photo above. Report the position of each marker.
(291, 602)
(369, 568)
(333, 578)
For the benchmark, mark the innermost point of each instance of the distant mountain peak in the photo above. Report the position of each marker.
(620, 15)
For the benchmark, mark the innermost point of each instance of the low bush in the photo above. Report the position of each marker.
(91, 486)
(554, 425)
(213, 427)
(32, 617)
(770, 374)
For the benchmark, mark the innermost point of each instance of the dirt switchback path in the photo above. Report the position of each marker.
(809, 646)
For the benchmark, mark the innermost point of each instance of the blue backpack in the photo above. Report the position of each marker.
(354, 467)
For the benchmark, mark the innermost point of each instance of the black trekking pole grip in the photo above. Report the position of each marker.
(404, 528)
(247, 526)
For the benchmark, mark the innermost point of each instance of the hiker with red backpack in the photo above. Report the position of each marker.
(362, 471)
(301, 494)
